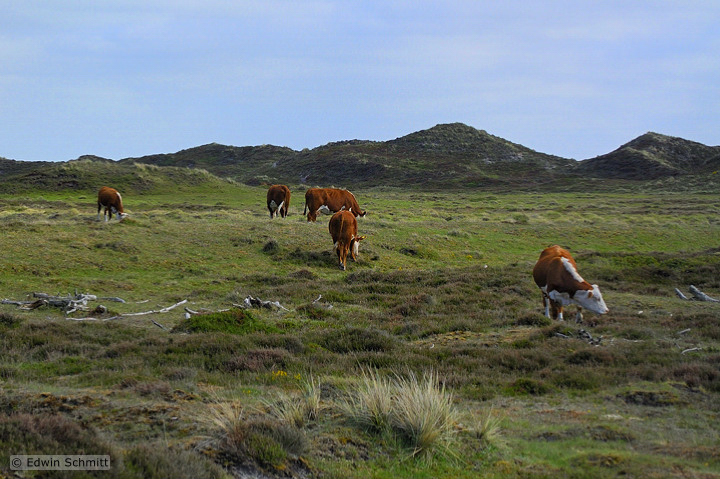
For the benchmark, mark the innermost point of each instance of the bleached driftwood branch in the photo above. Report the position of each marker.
(114, 299)
(322, 305)
(700, 296)
(159, 325)
(681, 295)
(69, 304)
(251, 302)
(697, 295)
(119, 316)
(690, 350)
(163, 310)
(190, 312)
(584, 335)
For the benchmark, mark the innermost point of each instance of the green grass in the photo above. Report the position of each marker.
(442, 285)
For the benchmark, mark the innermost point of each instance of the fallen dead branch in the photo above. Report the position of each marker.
(584, 335)
(251, 302)
(154, 311)
(79, 302)
(697, 295)
(689, 350)
(190, 312)
(142, 313)
(68, 304)
(322, 305)
(159, 325)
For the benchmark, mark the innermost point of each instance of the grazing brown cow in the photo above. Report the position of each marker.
(556, 275)
(343, 229)
(112, 201)
(278, 200)
(329, 201)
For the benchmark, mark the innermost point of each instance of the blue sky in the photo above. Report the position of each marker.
(573, 78)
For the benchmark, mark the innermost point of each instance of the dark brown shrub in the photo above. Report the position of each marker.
(528, 386)
(591, 356)
(258, 360)
(698, 374)
(533, 319)
(358, 339)
(157, 461)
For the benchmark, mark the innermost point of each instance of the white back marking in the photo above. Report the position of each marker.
(571, 269)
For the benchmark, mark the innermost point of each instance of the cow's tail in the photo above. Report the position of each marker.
(306, 208)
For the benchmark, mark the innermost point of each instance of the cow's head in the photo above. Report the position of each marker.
(591, 299)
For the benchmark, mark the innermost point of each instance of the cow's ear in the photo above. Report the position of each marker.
(360, 238)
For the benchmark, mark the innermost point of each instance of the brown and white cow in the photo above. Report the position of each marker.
(329, 201)
(112, 201)
(278, 200)
(556, 275)
(343, 230)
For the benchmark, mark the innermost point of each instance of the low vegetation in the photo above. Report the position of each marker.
(429, 357)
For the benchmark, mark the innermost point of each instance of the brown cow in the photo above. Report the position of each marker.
(329, 201)
(556, 275)
(112, 201)
(278, 200)
(343, 229)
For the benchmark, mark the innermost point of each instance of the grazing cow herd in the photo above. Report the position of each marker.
(555, 272)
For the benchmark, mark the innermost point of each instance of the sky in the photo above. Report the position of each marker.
(573, 78)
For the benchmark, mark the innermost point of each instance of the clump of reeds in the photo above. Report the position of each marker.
(418, 411)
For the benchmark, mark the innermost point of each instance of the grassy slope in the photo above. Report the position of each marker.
(443, 283)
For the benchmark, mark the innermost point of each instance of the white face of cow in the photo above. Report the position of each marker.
(591, 300)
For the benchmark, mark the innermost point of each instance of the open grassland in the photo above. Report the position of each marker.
(438, 320)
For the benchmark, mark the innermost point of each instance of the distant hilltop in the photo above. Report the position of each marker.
(445, 156)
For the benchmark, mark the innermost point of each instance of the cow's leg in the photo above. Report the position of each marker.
(556, 310)
(354, 249)
(342, 251)
(546, 305)
(107, 214)
(341, 259)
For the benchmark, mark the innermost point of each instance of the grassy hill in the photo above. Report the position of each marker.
(88, 174)
(454, 156)
(653, 156)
